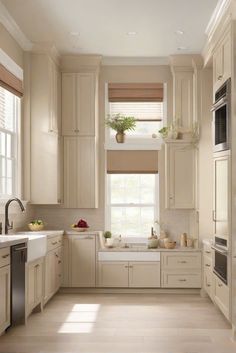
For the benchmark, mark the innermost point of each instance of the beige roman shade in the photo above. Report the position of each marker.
(135, 92)
(132, 162)
(10, 82)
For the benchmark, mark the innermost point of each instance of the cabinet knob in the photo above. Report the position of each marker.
(208, 285)
(76, 130)
(219, 77)
(219, 285)
(5, 256)
(207, 265)
(182, 280)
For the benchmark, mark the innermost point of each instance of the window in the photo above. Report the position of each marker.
(9, 124)
(132, 203)
(148, 115)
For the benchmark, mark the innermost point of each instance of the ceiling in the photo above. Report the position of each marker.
(101, 26)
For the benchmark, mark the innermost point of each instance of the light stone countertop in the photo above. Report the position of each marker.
(47, 233)
(145, 249)
(10, 240)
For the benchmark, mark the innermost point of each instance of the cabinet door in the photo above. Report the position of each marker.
(50, 275)
(58, 264)
(83, 259)
(38, 282)
(80, 172)
(218, 65)
(69, 123)
(78, 104)
(208, 282)
(183, 99)
(113, 274)
(144, 274)
(85, 103)
(221, 296)
(5, 298)
(54, 81)
(180, 176)
(221, 196)
(30, 287)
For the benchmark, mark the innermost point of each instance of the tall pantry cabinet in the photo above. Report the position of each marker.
(79, 130)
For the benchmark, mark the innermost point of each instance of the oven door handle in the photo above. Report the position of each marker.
(221, 251)
(219, 103)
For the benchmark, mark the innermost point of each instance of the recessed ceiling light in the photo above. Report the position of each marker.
(182, 48)
(74, 34)
(131, 33)
(179, 32)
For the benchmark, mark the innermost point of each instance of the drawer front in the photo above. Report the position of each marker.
(208, 282)
(181, 260)
(54, 242)
(182, 279)
(5, 256)
(207, 263)
(207, 251)
(221, 297)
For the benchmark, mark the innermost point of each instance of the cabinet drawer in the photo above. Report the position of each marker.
(181, 260)
(207, 263)
(207, 251)
(181, 279)
(54, 242)
(221, 297)
(5, 257)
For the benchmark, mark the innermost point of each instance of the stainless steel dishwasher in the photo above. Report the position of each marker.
(18, 260)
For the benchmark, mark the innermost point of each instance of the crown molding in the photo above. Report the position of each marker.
(134, 61)
(10, 65)
(47, 48)
(9, 23)
(80, 63)
(221, 8)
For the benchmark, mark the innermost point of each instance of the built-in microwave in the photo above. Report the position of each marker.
(221, 117)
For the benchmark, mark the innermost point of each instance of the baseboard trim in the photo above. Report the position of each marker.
(129, 290)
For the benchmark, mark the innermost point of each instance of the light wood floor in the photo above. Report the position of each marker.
(123, 323)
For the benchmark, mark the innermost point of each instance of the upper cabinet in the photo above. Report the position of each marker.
(44, 91)
(180, 175)
(183, 97)
(79, 104)
(222, 61)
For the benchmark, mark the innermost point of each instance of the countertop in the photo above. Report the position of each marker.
(47, 233)
(10, 240)
(144, 249)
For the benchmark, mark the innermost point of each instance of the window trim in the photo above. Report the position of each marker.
(156, 204)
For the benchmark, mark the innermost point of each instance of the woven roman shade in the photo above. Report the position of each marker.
(135, 92)
(10, 82)
(132, 162)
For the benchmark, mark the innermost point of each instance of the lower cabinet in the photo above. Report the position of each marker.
(53, 273)
(83, 260)
(221, 295)
(5, 275)
(181, 269)
(34, 285)
(129, 274)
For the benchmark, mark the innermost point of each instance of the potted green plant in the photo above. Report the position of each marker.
(120, 124)
(107, 235)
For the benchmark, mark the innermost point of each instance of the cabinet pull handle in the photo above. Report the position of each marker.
(214, 216)
(182, 280)
(59, 262)
(88, 237)
(56, 255)
(54, 242)
(5, 256)
(219, 77)
(220, 285)
(207, 265)
(182, 262)
(36, 266)
(208, 285)
(130, 266)
(76, 130)
(208, 252)
(126, 266)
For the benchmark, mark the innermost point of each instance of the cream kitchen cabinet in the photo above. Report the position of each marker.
(79, 104)
(221, 296)
(5, 292)
(53, 267)
(113, 274)
(123, 274)
(34, 285)
(181, 269)
(221, 193)
(180, 175)
(208, 283)
(183, 79)
(44, 92)
(80, 172)
(83, 261)
(222, 61)
(144, 274)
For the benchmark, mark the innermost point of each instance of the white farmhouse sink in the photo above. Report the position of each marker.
(37, 244)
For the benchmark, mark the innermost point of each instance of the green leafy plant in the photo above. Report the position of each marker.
(107, 234)
(121, 123)
(36, 221)
(164, 131)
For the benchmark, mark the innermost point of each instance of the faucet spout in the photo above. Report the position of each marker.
(7, 223)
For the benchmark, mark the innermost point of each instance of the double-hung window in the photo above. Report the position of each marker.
(9, 152)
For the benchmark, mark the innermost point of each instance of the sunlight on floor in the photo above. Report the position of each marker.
(81, 319)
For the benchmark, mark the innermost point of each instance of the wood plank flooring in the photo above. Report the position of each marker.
(123, 323)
